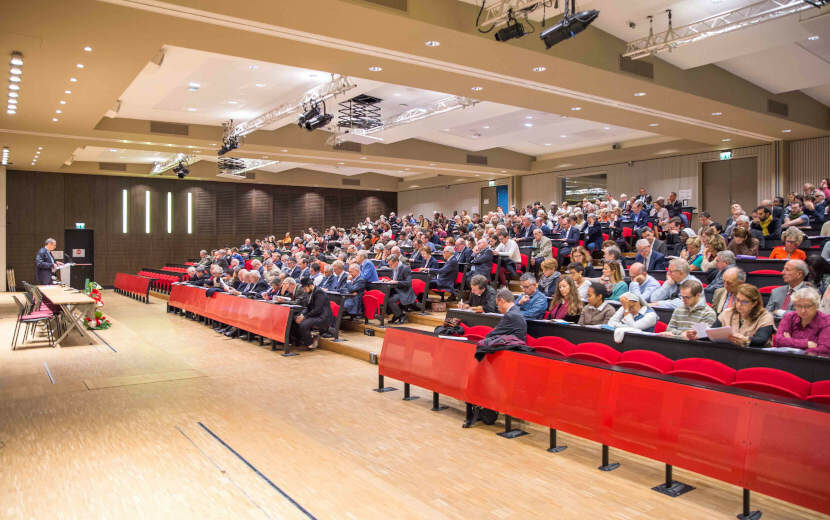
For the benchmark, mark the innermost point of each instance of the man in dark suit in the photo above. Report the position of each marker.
(482, 261)
(447, 273)
(338, 277)
(292, 269)
(526, 231)
(402, 294)
(316, 315)
(512, 323)
(571, 237)
(482, 296)
(463, 253)
(354, 288)
(45, 264)
(651, 259)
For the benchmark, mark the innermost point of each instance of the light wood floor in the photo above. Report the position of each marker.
(118, 436)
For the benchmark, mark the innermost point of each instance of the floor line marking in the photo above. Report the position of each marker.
(255, 470)
(48, 373)
(225, 473)
(103, 340)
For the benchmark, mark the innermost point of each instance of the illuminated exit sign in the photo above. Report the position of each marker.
(725, 156)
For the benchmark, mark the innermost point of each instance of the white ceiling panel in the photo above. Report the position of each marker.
(119, 155)
(795, 68)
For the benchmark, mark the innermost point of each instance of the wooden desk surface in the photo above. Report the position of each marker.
(62, 296)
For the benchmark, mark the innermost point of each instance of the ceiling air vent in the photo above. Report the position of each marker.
(349, 146)
(394, 4)
(112, 166)
(776, 107)
(638, 67)
(350, 182)
(161, 127)
(477, 159)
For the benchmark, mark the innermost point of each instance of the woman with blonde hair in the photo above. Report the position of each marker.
(580, 255)
(614, 279)
(752, 325)
(565, 304)
(714, 245)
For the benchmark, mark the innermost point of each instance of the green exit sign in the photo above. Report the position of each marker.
(725, 156)
(491, 183)
(80, 225)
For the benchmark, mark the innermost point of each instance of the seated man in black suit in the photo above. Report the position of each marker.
(256, 286)
(482, 261)
(338, 277)
(316, 315)
(512, 323)
(447, 273)
(402, 294)
(649, 257)
(354, 289)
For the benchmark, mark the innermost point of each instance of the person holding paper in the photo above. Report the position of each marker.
(482, 296)
(752, 325)
(693, 310)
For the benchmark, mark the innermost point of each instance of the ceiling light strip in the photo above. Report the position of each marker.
(413, 59)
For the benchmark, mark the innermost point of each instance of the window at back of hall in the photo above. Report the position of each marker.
(585, 187)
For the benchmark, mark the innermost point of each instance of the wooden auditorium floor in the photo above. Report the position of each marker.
(118, 435)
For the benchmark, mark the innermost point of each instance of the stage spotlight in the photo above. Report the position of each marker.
(568, 27)
(308, 116)
(181, 170)
(228, 144)
(512, 30)
(319, 121)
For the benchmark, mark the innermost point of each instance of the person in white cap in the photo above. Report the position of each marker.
(634, 313)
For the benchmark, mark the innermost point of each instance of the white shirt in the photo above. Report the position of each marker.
(512, 248)
(582, 290)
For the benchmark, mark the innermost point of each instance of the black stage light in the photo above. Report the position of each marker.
(512, 30)
(307, 116)
(568, 27)
(231, 143)
(181, 170)
(318, 122)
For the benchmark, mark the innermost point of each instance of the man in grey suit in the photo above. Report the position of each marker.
(542, 250)
(402, 294)
(45, 264)
(780, 300)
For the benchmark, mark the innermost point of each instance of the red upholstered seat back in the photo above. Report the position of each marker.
(646, 360)
(335, 309)
(560, 346)
(596, 352)
(772, 381)
(701, 369)
(418, 286)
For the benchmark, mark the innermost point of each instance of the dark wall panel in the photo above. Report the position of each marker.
(42, 205)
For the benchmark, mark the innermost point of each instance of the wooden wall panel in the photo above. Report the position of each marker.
(41, 205)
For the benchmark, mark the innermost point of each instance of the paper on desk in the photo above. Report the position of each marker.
(457, 338)
(700, 328)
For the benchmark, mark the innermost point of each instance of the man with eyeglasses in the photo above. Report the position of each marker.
(793, 274)
(668, 295)
(693, 311)
(532, 304)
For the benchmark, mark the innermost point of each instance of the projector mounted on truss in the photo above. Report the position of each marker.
(240, 168)
(441, 106)
(735, 19)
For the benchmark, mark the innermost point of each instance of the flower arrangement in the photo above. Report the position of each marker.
(99, 321)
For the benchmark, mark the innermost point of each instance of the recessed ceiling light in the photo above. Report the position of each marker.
(54, 119)
(191, 109)
(113, 150)
(14, 79)
(397, 94)
(548, 144)
(375, 68)
(717, 113)
(79, 65)
(73, 80)
(445, 130)
(283, 151)
(504, 171)
(606, 128)
(10, 111)
(341, 163)
(12, 101)
(67, 91)
(813, 37)
(88, 48)
(14, 87)
(17, 59)
(40, 148)
(786, 131)
(363, 157)
(15, 71)
(563, 136)
(726, 140)
(654, 124)
(13, 94)
(477, 89)
(432, 43)
(528, 125)
(62, 102)
(539, 69)
(486, 127)
(233, 102)
(193, 86)
(253, 67)
(576, 109)
(639, 94)
(58, 111)
(260, 85)
(528, 117)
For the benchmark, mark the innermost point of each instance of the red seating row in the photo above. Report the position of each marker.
(263, 319)
(174, 269)
(162, 282)
(133, 285)
(759, 379)
(758, 444)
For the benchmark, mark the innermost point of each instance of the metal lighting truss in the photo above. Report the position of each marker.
(674, 37)
(500, 11)
(338, 85)
(441, 106)
(161, 167)
(237, 167)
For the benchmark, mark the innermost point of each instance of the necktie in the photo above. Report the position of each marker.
(786, 304)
